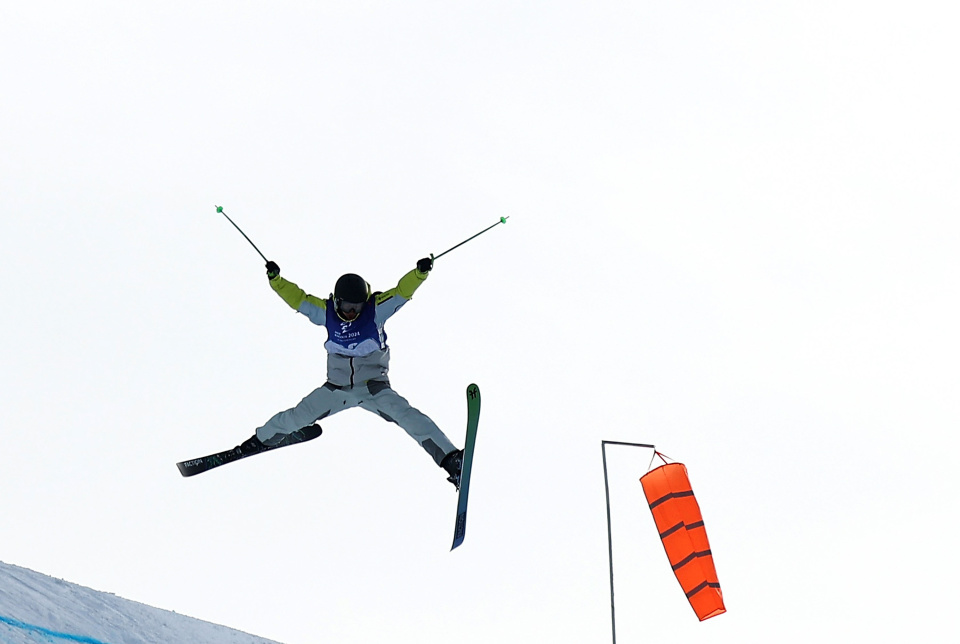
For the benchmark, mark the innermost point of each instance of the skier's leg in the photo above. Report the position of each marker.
(393, 407)
(319, 404)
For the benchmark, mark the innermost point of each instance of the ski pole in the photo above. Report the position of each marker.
(220, 210)
(503, 220)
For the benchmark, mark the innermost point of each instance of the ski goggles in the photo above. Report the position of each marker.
(350, 307)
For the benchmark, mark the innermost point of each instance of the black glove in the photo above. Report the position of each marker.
(424, 265)
(272, 269)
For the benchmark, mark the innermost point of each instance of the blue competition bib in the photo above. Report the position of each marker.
(359, 337)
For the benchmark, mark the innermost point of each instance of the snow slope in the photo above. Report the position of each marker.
(36, 608)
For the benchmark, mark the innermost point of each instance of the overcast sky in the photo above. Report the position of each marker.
(733, 234)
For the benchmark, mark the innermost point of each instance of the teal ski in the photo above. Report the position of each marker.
(473, 417)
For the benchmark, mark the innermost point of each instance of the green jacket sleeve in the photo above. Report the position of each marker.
(408, 284)
(298, 299)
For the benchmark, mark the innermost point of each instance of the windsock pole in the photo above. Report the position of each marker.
(606, 485)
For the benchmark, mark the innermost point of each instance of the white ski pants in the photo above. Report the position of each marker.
(375, 396)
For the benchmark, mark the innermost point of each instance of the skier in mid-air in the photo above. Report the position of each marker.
(357, 364)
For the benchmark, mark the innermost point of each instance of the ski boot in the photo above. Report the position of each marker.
(251, 446)
(453, 464)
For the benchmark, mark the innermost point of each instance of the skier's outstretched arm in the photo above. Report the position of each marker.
(389, 301)
(295, 297)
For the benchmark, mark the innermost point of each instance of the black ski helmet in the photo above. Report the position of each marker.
(351, 288)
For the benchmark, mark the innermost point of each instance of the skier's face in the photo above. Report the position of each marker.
(350, 310)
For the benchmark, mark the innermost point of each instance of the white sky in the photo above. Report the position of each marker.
(733, 234)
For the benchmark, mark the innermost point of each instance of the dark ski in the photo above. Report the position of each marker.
(199, 465)
(473, 418)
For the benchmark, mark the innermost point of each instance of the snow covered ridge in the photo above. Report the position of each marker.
(36, 608)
